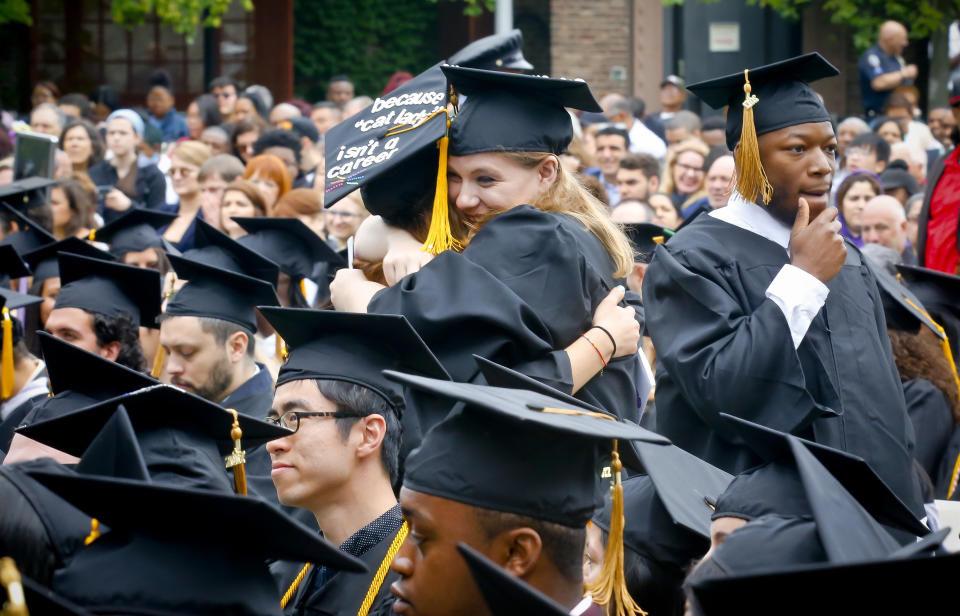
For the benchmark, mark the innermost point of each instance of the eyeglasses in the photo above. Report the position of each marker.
(343, 214)
(683, 167)
(291, 419)
(181, 171)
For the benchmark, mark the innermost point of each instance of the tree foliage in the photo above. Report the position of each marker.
(15, 11)
(182, 15)
(365, 39)
(474, 8)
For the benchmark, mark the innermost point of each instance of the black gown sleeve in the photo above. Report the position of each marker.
(723, 358)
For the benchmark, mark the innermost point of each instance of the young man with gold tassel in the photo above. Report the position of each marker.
(762, 310)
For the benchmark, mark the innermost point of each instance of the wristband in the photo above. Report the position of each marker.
(595, 348)
(610, 336)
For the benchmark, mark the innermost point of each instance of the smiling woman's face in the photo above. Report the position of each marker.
(481, 185)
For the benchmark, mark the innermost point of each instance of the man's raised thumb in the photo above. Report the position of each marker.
(803, 217)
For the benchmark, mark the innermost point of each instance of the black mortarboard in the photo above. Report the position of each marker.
(507, 112)
(832, 590)
(219, 294)
(11, 265)
(644, 237)
(41, 600)
(45, 264)
(668, 510)
(11, 300)
(215, 248)
(11, 332)
(30, 235)
(938, 292)
(404, 190)
(78, 378)
(505, 594)
(26, 193)
(109, 288)
(902, 309)
(114, 451)
(493, 53)
(135, 231)
(183, 437)
(774, 489)
(181, 551)
(777, 96)
(289, 243)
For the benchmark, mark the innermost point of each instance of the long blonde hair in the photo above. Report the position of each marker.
(568, 196)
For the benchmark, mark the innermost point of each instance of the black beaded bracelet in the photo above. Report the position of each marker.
(609, 335)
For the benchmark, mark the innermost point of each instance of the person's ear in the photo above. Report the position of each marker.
(639, 270)
(548, 169)
(518, 550)
(111, 350)
(373, 429)
(237, 346)
(654, 184)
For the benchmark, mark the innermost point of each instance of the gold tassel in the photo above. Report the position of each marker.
(158, 358)
(6, 356)
(303, 287)
(281, 348)
(92, 236)
(16, 604)
(752, 180)
(610, 588)
(94, 531)
(238, 457)
(440, 237)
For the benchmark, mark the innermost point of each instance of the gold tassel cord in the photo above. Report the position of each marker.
(16, 603)
(158, 359)
(285, 599)
(944, 341)
(752, 180)
(94, 532)
(6, 356)
(610, 588)
(238, 457)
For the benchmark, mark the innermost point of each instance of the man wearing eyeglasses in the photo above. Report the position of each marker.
(342, 460)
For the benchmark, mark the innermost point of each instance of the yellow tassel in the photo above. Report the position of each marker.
(16, 604)
(92, 236)
(94, 531)
(610, 588)
(303, 287)
(440, 237)
(6, 356)
(752, 180)
(158, 358)
(238, 457)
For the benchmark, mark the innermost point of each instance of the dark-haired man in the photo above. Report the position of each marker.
(285, 145)
(761, 310)
(224, 89)
(868, 152)
(612, 145)
(638, 177)
(340, 90)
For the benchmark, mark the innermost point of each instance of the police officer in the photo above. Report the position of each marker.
(882, 68)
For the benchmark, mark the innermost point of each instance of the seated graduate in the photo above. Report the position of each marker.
(513, 474)
(537, 287)
(344, 457)
(761, 310)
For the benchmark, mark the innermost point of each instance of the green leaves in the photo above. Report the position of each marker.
(184, 16)
(15, 11)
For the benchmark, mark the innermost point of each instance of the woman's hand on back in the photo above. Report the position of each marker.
(350, 291)
(405, 255)
(619, 321)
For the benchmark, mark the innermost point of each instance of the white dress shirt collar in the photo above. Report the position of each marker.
(752, 217)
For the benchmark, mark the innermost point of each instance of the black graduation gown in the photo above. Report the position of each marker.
(523, 290)
(949, 466)
(15, 418)
(932, 420)
(344, 592)
(724, 347)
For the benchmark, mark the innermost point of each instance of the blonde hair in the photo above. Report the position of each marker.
(192, 152)
(568, 196)
(667, 185)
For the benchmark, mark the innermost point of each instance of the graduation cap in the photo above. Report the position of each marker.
(507, 112)
(506, 594)
(45, 264)
(218, 293)
(184, 438)
(11, 265)
(27, 596)
(26, 193)
(135, 231)
(777, 488)
(494, 52)
(10, 300)
(410, 120)
(114, 451)
(174, 551)
(215, 248)
(644, 237)
(762, 100)
(289, 243)
(903, 310)
(668, 510)
(109, 288)
(524, 453)
(30, 235)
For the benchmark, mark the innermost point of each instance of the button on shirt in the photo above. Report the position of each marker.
(873, 63)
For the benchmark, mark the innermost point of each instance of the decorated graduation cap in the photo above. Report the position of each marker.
(644, 237)
(135, 231)
(938, 292)
(668, 509)
(173, 550)
(494, 53)
(506, 594)
(776, 488)
(184, 438)
(219, 293)
(289, 243)
(24, 596)
(217, 249)
(44, 260)
(525, 453)
(762, 100)
(410, 121)
(12, 332)
(79, 378)
(109, 288)
(30, 235)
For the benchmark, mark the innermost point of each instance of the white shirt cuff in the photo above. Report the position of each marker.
(800, 296)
